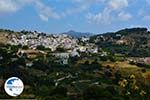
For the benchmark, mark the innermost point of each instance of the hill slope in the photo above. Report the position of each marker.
(132, 42)
(5, 35)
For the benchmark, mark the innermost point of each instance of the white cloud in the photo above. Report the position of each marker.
(124, 16)
(82, 5)
(77, 10)
(103, 18)
(44, 12)
(7, 6)
(107, 15)
(117, 4)
(44, 18)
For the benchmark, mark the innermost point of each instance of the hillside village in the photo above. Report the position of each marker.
(85, 68)
(123, 41)
(60, 45)
(52, 42)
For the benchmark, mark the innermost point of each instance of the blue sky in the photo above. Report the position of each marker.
(55, 16)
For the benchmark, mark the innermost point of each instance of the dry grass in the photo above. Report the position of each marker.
(124, 64)
(4, 36)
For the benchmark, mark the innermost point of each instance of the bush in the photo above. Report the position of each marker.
(40, 47)
(104, 58)
(59, 49)
(98, 93)
(143, 70)
(25, 47)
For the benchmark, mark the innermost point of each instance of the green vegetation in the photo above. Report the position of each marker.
(116, 72)
(133, 42)
(81, 79)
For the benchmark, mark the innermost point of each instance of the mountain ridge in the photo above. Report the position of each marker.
(76, 34)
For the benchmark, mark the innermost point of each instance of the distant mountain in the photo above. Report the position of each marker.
(78, 34)
(130, 41)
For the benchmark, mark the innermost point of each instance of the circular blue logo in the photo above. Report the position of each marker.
(14, 86)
